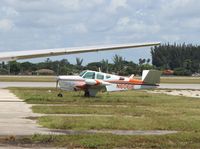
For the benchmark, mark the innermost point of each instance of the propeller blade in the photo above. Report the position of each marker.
(57, 81)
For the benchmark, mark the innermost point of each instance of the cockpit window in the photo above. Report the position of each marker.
(89, 75)
(82, 73)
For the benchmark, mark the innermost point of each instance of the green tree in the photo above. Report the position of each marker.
(94, 66)
(104, 66)
(180, 57)
(148, 60)
(79, 64)
(14, 67)
(118, 64)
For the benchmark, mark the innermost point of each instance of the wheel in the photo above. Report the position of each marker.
(60, 95)
(87, 94)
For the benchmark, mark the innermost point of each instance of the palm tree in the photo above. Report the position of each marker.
(79, 62)
(148, 60)
(118, 64)
(104, 65)
(140, 61)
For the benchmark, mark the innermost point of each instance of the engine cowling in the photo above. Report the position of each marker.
(91, 82)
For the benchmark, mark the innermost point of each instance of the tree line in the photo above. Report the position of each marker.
(184, 59)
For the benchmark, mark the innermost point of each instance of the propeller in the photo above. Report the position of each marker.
(57, 81)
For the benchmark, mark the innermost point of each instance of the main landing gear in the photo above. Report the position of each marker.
(87, 94)
(60, 95)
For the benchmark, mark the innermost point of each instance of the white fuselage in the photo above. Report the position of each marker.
(96, 80)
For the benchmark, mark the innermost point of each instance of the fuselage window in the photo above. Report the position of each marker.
(100, 76)
(108, 77)
(89, 75)
(121, 78)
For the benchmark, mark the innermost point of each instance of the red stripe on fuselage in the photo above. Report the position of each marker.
(131, 82)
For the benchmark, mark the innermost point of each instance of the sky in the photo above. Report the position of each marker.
(43, 24)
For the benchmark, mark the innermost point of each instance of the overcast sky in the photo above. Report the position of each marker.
(40, 24)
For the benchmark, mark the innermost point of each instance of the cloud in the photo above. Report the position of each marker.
(9, 12)
(180, 8)
(37, 24)
(124, 21)
(192, 23)
(6, 25)
(171, 37)
(80, 28)
(115, 4)
(126, 24)
(71, 5)
(77, 5)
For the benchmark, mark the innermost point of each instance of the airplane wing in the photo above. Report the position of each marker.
(17, 55)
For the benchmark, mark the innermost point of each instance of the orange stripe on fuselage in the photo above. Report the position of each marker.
(135, 81)
(131, 81)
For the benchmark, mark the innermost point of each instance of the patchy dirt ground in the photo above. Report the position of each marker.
(187, 93)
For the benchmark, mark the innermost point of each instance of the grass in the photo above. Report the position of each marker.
(27, 78)
(107, 141)
(137, 97)
(80, 110)
(122, 123)
(132, 110)
(97, 123)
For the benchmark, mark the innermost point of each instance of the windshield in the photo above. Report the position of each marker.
(82, 73)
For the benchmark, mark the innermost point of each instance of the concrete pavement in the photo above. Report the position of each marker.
(27, 84)
(13, 116)
(180, 86)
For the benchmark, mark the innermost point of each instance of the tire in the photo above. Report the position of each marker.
(87, 94)
(60, 95)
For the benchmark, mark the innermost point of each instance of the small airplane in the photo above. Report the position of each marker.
(91, 82)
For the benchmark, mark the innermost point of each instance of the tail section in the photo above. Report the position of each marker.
(151, 77)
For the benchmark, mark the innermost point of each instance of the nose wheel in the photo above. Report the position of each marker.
(60, 95)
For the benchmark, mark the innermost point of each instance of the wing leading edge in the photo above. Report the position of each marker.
(16, 55)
